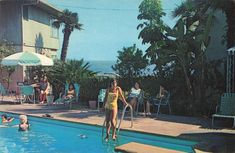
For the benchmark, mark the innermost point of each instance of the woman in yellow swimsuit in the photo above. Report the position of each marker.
(111, 107)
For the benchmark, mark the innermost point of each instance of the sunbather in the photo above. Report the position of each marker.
(71, 92)
(44, 89)
(162, 92)
(161, 95)
(66, 97)
(133, 96)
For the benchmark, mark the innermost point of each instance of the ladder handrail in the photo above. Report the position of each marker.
(123, 113)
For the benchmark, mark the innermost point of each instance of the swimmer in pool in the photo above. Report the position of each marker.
(24, 124)
(6, 119)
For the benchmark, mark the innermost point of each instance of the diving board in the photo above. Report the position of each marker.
(134, 147)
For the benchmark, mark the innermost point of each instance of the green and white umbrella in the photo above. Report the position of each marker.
(27, 59)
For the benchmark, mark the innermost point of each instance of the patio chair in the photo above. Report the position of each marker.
(101, 97)
(162, 101)
(140, 101)
(226, 108)
(26, 94)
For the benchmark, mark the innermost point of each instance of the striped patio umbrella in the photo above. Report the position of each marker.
(27, 59)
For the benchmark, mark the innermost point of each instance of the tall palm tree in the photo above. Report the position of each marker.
(203, 6)
(70, 21)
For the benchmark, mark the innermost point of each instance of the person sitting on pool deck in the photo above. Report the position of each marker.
(24, 124)
(68, 95)
(6, 119)
(134, 94)
(71, 92)
(44, 89)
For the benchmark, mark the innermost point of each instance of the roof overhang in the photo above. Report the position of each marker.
(42, 4)
(48, 8)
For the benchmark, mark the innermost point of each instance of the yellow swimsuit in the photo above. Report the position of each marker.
(111, 102)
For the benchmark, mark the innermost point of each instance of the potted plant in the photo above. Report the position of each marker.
(92, 104)
(93, 99)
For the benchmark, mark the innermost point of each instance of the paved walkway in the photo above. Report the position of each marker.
(199, 129)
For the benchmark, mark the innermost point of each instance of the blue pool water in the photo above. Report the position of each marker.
(53, 136)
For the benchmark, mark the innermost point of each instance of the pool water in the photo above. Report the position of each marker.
(54, 136)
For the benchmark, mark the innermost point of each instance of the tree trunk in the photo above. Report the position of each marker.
(230, 15)
(202, 82)
(188, 83)
(64, 50)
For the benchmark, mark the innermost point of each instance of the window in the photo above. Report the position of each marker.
(54, 30)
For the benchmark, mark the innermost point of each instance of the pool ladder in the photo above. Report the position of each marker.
(122, 117)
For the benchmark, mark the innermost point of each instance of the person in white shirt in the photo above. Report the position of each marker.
(133, 96)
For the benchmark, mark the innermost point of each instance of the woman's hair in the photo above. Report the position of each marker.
(71, 84)
(4, 116)
(23, 118)
(111, 82)
(137, 83)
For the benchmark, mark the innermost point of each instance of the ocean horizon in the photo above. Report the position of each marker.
(106, 67)
(101, 66)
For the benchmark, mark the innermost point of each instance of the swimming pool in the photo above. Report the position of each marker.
(54, 136)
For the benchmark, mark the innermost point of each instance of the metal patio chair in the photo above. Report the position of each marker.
(26, 94)
(226, 108)
(101, 97)
(162, 101)
(140, 101)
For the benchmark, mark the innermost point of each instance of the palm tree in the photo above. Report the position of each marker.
(70, 21)
(203, 6)
(69, 71)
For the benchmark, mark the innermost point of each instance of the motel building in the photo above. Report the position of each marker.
(27, 24)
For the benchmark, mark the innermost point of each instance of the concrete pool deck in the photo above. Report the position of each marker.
(217, 139)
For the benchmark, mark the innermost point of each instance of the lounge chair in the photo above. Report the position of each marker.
(101, 97)
(69, 101)
(77, 90)
(140, 101)
(162, 101)
(226, 108)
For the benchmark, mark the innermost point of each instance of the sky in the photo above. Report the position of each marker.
(108, 26)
